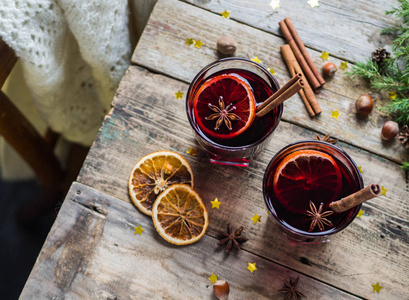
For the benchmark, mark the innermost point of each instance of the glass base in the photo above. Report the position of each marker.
(238, 162)
(295, 242)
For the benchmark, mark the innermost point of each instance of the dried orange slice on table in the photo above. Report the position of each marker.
(306, 175)
(179, 215)
(224, 106)
(154, 173)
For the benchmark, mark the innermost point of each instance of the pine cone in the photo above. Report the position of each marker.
(404, 136)
(380, 55)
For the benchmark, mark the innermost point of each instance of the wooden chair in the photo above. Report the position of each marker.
(35, 149)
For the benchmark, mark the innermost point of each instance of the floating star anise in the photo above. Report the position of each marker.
(223, 113)
(327, 139)
(317, 217)
(291, 289)
(403, 136)
(231, 238)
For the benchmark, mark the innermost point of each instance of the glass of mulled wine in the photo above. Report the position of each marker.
(221, 105)
(300, 182)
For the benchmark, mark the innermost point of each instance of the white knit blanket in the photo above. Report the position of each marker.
(73, 53)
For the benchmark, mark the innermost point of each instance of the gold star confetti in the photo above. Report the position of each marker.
(256, 219)
(198, 44)
(213, 278)
(344, 65)
(324, 55)
(139, 230)
(179, 95)
(191, 151)
(392, 95)
(376, 287)
(335, 114)
(255, 59)
(252, 267)
(271, 70)
(225, 14)
(313, 3)
(215, 203)
(360, 169)
(189, 41)
(275, 4)
(360, 213)
(383, 190)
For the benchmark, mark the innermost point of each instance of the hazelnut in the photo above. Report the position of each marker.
(389, 130)
(221, 289)
(364, 105)
(226, 45)
(329, 69)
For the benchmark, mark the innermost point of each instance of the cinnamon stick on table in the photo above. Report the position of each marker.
(308, 98)
(293, 39)
(365, 194)
(285, 92)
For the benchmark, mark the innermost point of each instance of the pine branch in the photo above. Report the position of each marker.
(405, 166)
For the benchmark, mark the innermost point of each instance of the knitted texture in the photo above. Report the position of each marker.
(73, 54)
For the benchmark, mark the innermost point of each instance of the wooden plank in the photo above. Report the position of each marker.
(147, 118)
(93, 253)
(349, 30)
(162, 48)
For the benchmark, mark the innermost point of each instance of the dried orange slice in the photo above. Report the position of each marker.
(224, 106)
(179, 215)
(155, 172)
(306, 175)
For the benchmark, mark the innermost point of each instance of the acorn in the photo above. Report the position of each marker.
(226, 45)
(329, 69)
(364, 105)
(221, 289)
(389, 130)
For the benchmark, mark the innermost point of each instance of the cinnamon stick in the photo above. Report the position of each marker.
(288, 90)
(304, 51)
(292, 63)
(365, 194)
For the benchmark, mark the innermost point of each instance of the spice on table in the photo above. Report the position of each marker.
(329, 69)
(306, 94)
(404, 136)
(318, 217)
(327, 139)
(231, 238)
(221, 289)
(364, 105)
(291, 289)
(226, 45)
(297, 46)
(389, 130)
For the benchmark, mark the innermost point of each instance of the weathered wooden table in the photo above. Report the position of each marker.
(92, 251)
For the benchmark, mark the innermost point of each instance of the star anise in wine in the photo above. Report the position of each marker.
(231, 238)
(318, 217)
(327, 139)
(291, 289)
(223, 113)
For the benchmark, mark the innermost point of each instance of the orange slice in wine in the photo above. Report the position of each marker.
(306, 175)
(224, 106)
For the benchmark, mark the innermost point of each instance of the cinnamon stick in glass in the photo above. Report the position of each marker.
(284, 93)
(365, 194)
(292, 63)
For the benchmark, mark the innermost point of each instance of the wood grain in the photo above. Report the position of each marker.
(147, 117)
(162, 49)
(349, 30)
(93, 253)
